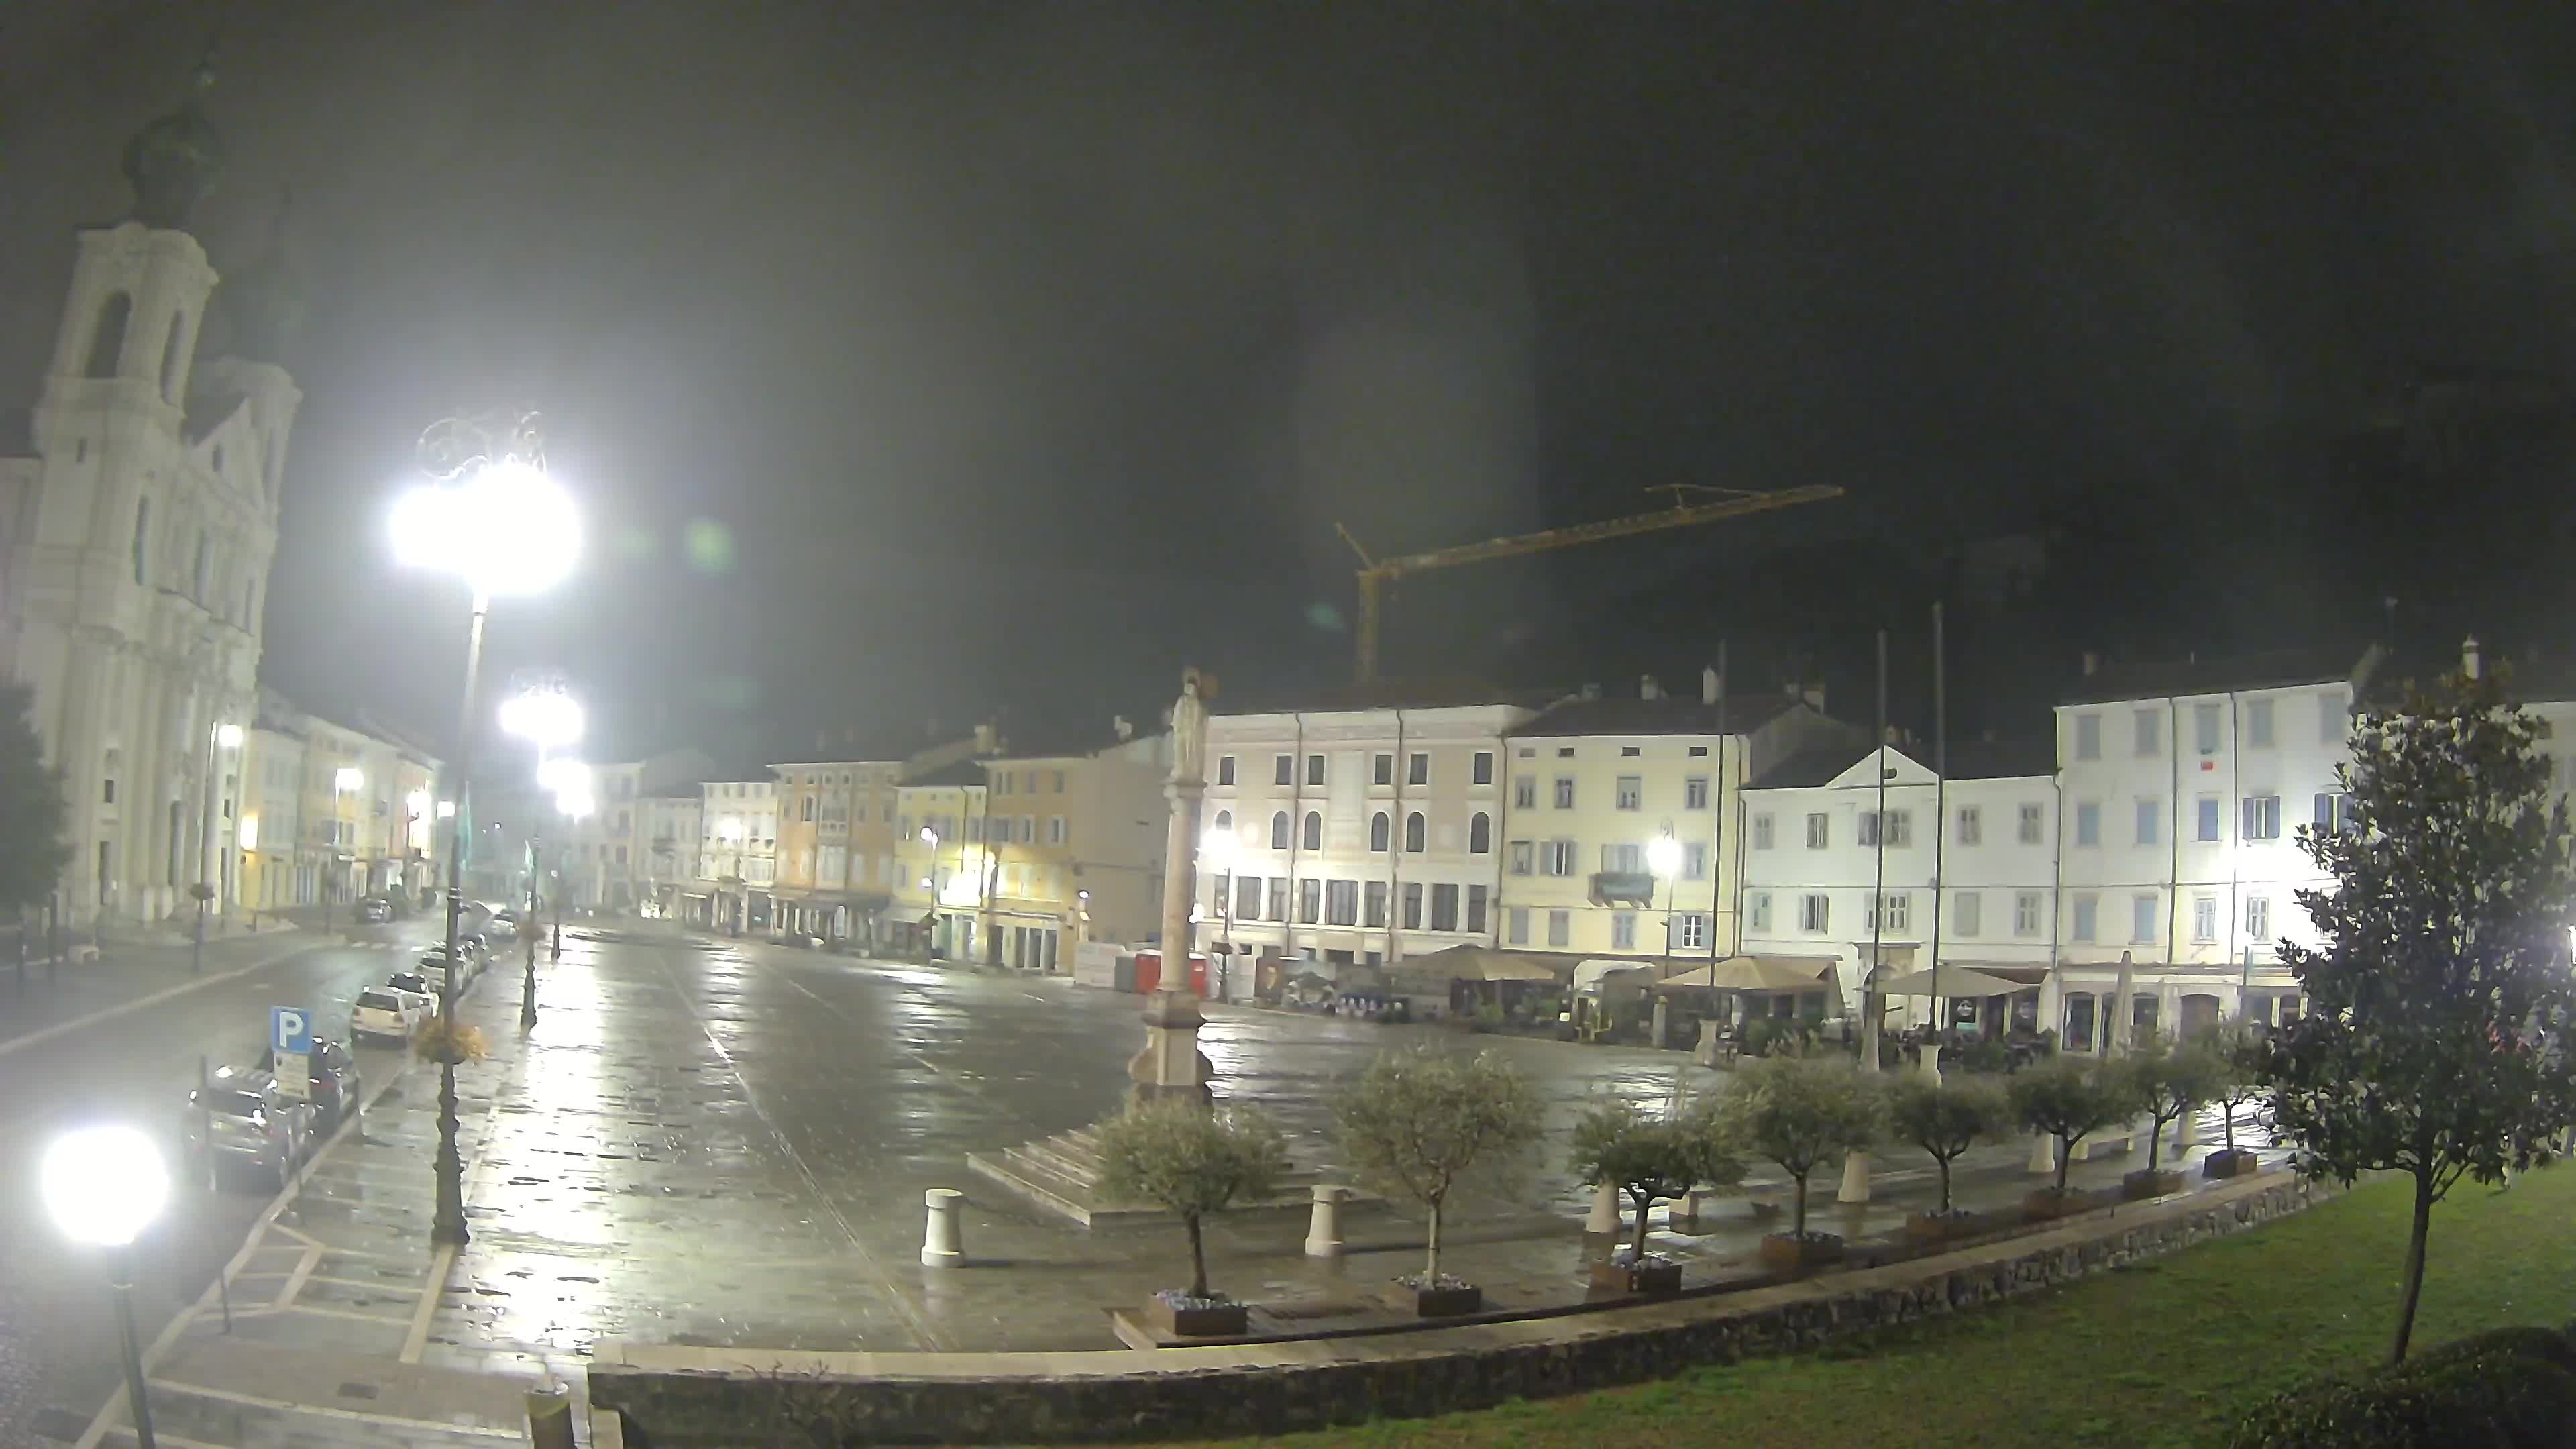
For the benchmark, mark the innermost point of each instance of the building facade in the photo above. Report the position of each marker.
(673, 824)
(1075, 836)
(737, 853)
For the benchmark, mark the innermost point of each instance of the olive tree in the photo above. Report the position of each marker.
(1650, 1157)
(1418, 1121)
(1800, 1112)
(1947, 1118)
(2236, 1052)
(2443, 960)
(1190, 1160)
(2070, 1098)
(2168, 1079)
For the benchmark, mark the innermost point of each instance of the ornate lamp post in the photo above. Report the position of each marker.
(494, 517)
(104, 1185)
(547, 717)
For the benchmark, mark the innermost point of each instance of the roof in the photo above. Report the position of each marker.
(1666, 716)
(1068, 742)
(2218, 675)
(948, 776)
(1814, 766)
(2000, 759)
(1389, 694)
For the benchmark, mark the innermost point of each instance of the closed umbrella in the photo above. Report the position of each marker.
(2123, 1012)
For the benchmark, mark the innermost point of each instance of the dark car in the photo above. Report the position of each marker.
(243, 1120)
(375, 910)
(334, 1087)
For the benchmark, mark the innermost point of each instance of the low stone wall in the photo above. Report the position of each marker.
(684, 1398)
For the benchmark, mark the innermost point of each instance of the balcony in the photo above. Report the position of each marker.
(1631, 887)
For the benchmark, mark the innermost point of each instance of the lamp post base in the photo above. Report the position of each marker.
(137, 1400)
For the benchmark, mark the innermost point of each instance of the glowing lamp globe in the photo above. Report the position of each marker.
(104, 1185)
(506, 528)
(1663, 855)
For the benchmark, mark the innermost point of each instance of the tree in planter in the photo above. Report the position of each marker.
(2236, 1053)
(33, 851)
(1190, 1160)
(2444, 955)
(2070, 1098)
(1801, 1112)
(1419, 1121)
(1651, 1158)
(1947, 1119)
(2169, 1079)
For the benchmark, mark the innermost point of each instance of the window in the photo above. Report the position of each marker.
(1283, 770)
(2258, 723)
(1314, 830)
(1632, 792)
(1314, 769)
(1055, 830)
(975, 829)
(1762, 831)
(1522, 857)
(1624, 857)
(1972, 825)
(1695, 860)
(1560, 924)
(1524, 792)
(107, 344)
(1224, 822)
(2333, 811)
(2025, 913)
(1055, 782)
(1279, 831)
(807, 815)
(1310, 901)
(142, 530)
(1484, 769)
(1378, 831)
(2142, 919)
(1002, 783)
(1695, 792)
(1900, 829)
(1413, 832)
(2258, 918)
(1819, 830)
(2088, 737)
(1629, 751)
(1900, 911)
(1623, 930)
(1225, 769)
(1475, 909)
(2204, 728)
(1693, 930)
(2088, 910)
(1757, 910)
(1815, 912)
(1565, 752)
(1556, 857)
(1247, 897)
(1417, 770)
(107, 791)
(2332, 722)
(1480, 834)
(1413, 905)
(2150, 821)
(1516, 926)
(1382, 770)
(2262, 818)
(1373, 904)
(2088, 823)
(1028, 830)
(2205, 818)
(1968, 913)
(1565, 792)
(2151, 734)
(1342, 903)
(2028, 831)
(2204, 918)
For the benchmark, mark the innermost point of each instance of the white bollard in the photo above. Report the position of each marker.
(2186, 1130)
(2043, 1154)
(1855, 1186)
(1604, 1220)
(1324, 1221)
(941, 1247)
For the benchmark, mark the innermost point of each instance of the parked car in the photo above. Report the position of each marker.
(417, 991)
(333, 1089)
(375, 910)
(243, 1121)
(433, 967)
(382, 1015)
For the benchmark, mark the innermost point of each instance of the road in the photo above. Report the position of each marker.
(112, 1059)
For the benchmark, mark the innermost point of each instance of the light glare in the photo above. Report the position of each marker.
(104, 1184)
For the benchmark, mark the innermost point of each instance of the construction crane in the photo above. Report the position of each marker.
(1375, 573)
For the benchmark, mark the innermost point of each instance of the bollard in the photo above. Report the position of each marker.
(1605, 1211)
(550, 1415)
(2185, 1130)
(1855, 1186)
(941, 1247)
(2043, 1154)
(1928, 1066)
(1324, 1221)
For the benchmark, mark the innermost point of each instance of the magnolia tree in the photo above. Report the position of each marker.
(1947, 1118)
(1190, 1160)
(1651, 1158)
(2069, 1099)
(1418, 1122)
(1800, 1113)
(2444, 961)
(2170, 1079)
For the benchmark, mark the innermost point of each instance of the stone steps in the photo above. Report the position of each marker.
(1062, 1174)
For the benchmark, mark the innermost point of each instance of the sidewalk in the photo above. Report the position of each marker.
(121, 977)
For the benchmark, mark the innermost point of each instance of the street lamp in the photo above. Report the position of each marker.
(1219, 851)
(547, 717)
(570, 780)
(104, 1185)
(494, 517)
(223, 736)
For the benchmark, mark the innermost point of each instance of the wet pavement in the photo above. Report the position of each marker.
(726, 1144)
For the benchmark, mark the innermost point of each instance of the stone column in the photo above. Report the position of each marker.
(1171, 1063)
(1662, 1021)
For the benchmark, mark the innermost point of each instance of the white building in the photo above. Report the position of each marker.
(137, 524)
(672, 829)
(738, 851)
(611, 850)
(1963, 872)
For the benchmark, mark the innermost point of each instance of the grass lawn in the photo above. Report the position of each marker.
(2166, 1353)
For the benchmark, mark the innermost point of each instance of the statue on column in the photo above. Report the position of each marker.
(1189, 733)
(1171, 1063)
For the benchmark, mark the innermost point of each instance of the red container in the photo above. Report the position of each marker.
(1149, 972)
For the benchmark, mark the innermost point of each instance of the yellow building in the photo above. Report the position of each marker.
(942, 869)
(837, 856)
(326, 814)
(1074, 834)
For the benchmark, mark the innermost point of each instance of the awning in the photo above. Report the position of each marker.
(1599, 969)
(1478, 963)
(1954, 981)
(1757, 973)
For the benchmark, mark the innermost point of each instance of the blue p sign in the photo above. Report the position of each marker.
(290, 1030)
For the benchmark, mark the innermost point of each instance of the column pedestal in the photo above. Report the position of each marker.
(1604, 1218)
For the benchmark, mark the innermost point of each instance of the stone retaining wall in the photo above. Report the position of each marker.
(688, 1398)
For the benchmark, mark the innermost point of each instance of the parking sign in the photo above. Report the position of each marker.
(290, 1030)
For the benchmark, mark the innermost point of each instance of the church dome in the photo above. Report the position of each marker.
(173, 161)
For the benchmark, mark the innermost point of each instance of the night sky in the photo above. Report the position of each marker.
(914, 361)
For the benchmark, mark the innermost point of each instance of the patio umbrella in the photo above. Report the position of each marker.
(2123, 1012)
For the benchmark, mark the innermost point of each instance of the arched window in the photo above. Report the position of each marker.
(1314, 830)
(1413, 832)
(1279, 831)
(1225, 822)
(172, 357)
(142, 530)
(107, 344)
(1480, 834)
(1377, 831)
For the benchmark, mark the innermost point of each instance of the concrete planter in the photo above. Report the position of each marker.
(2225, 1163)
(2047, 1205)
(1440, 1302)
(1788, 1253)
(2144, 1183)
(1219, 1320)
(1652, 1278)
(1935, 1227)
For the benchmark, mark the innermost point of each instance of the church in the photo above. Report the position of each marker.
(138, 519)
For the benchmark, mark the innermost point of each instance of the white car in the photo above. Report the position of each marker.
(384, 1015)
(416, 991)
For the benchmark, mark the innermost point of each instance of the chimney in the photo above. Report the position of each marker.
(984, 739)
(1123, 727)
(1647, 688)
(2469, 656)
(1895, 736)
(1814, 695)
(2092, 663)
(1708, 685)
